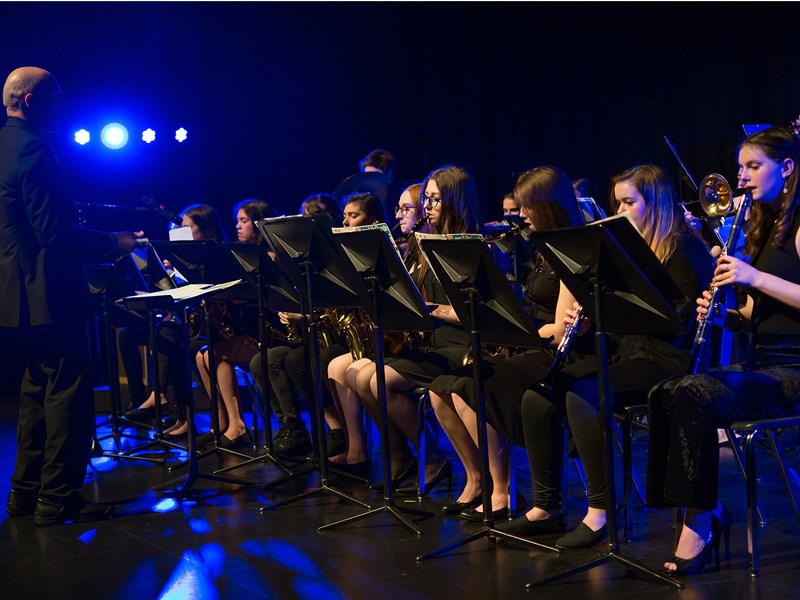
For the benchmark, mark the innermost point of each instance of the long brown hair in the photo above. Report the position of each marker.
(663, 217)
(778, 144)
(547, 196)
(207, 220)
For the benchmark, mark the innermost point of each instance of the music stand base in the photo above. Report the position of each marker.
(618, 559)
(492, 535)
(397, 512)
(266, 457)
(189, 480)
(321, 490)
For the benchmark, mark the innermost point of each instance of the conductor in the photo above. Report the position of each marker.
(45, 306)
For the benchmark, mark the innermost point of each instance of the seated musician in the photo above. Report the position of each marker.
(235, 343)
(635, 364)
(288, 363)
(343, 369)
(683, 457)
(547, 201)
(205, 224)
(451, 206)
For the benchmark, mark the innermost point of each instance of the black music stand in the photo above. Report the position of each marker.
(623, 287)
(173, 300)
(324, 278)
(489, 309)
(276, 293)
(207, 262)
(396, 305)
(109, 281)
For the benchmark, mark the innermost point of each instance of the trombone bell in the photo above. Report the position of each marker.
(716, 196)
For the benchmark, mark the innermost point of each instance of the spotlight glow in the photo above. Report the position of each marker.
(181, 134)
(114, 136)
(82, 137)
(148, 135)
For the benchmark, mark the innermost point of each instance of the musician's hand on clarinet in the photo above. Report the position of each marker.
(572, 314)
(446, 313)
(730, 270)
(703, 304)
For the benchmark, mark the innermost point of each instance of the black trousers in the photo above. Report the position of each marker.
(630, 381)
(685, 413)
(56, 418)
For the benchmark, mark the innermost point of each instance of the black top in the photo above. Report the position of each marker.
(691, 266)
(770, 316)
(41, 264)
(541, 293)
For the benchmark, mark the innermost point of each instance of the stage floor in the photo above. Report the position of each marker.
(222, 546)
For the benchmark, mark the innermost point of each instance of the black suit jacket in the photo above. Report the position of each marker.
(42, 279)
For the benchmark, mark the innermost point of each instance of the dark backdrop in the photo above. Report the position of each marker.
(281, 100)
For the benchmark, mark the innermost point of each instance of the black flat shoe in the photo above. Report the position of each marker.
(76, 510)
(470, 514)
(453, 508)
(522, 527)
(360, 469)
(445, 471)
(582, 536)
(175, 436)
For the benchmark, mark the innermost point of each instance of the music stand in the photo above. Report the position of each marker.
(488, 308)
(275, 292)
(207, 262)
(395, 305)
(324, 278)
(115, 281)
(623, 287)
(171, 300)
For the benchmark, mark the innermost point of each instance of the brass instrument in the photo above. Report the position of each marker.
(328, 332)
(219, 314)
(716, 198)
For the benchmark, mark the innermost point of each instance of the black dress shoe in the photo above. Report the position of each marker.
(21, 502)
(453, 508)
(360, 469)
(76, 510)
(581, 537)
(470, 514)
(522, 527)
(240, 442)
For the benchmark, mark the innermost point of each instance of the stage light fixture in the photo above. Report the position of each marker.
(114, 136)
(181, 134)
(82, 137)
(148, 135)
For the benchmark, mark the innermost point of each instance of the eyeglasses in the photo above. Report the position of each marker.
(403, 210)
(432, 200)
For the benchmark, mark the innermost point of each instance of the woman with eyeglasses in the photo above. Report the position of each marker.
(547, 201)
(343, 369)
(450, 204)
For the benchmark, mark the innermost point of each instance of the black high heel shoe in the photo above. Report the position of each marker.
(407, 472)
(725, 522)
(445, 471)
(697, 564)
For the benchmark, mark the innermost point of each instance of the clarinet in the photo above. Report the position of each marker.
(703, 334)
(547, 385)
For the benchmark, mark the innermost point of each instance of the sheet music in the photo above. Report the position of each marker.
(187, 292)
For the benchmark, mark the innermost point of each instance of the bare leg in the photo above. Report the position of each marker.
(498, 453)
(398, 444)
(464, 446)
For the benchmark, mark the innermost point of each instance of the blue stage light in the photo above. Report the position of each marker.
(82, 137)
(114, 136)
(148, 135)
(181, 134)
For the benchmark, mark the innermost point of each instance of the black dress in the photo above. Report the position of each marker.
(505, 379)
(683, 457)
(444, 349)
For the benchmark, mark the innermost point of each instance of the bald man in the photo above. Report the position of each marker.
(45, 306)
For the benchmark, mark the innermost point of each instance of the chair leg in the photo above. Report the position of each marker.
(422, 444)
(779, 458)
(741, 459)
(627, 466)
(752, 501)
